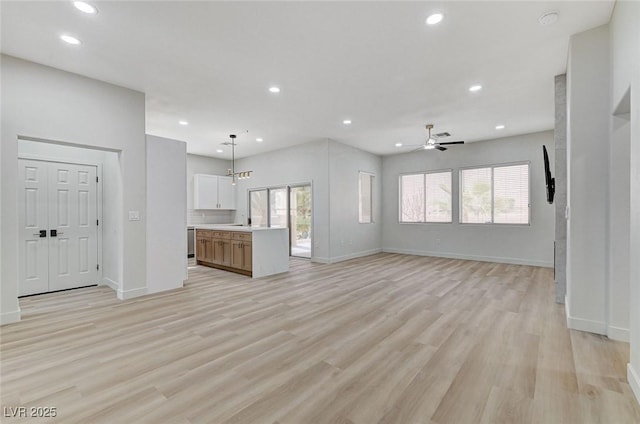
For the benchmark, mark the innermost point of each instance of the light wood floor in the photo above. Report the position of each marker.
(382, 339)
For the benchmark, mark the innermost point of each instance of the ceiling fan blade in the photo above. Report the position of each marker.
(419, 148)
(452, 142)
(412, 145)
(442, 149)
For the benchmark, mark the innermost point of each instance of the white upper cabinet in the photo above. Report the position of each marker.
(213, 192)
(226, 193)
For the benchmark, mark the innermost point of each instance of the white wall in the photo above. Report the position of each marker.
(166, 214)
(588, 180)
(110, 217)
(521, 244)
(625, 75)
(306, 163)
(197, 164)
(49, 104)
(619, 220)
(348, 238)
(112, 269)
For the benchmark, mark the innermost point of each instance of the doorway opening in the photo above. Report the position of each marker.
(66, 184)
(288, 206)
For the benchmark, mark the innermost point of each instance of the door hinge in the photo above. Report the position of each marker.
(96, 179)
(97, 222)
(98, 267)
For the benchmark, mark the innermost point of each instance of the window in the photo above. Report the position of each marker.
(412, 203)
(496, 194)
(425, 197)
(365, 204)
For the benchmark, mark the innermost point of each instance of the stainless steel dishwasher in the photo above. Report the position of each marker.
(190, 242)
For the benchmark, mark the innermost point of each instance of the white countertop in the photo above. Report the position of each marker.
(239, 228)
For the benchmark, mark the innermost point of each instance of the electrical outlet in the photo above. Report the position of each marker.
(134, 215)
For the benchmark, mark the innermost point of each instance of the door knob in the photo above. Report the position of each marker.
(54, 233)
(41, 233)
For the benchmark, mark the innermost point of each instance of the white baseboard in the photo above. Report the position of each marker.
(619, 333)
(634, 381)
(580, 324)
(9, 317)
(354, 255)
(597, 327)
(342, 258)
(130, 294)
(320, 260)
(497, 259)
(109, 282)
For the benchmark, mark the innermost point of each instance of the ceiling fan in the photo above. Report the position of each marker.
(433, 143)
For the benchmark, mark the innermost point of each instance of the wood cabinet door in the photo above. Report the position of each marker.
(208, 250)
(200, 248)
(218, 252)
(221, 252)
(236, 254)
(226, 252)
(247, 256)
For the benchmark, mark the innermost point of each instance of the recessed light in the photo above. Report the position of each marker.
(69, 39)
(436, 18)
(274, 89)
(548, 18)
(347, 122)
(500, 127)
(85, 7)
(398, 144)
(259, 140)
(475, 88)
(219, 150)
(183, 123)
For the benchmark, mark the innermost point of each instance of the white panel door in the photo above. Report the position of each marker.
(73, 227)
(58, 226)
(33, 249)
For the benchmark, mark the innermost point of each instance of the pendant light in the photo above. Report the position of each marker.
(232, 172)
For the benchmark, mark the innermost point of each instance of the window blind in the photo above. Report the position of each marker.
(475, 195)
(412, 201)
(511, 194)
(438, 196)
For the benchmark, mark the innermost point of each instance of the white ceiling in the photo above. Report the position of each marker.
(376, 63)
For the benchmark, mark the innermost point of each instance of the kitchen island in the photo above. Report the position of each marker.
(253, 251)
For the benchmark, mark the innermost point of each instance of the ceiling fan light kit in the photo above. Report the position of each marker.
(433, 143)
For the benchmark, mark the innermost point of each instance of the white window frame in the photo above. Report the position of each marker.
(372, 177)
(424, 182)
(492, 167)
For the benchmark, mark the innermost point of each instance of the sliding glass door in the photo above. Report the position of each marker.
(285, 207)
(259, 208)
(300, 212)
(278, 207)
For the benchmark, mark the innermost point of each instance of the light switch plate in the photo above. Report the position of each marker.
(134, 215)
